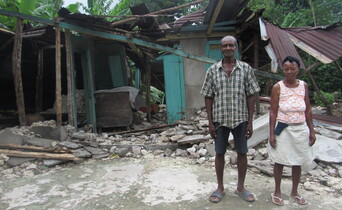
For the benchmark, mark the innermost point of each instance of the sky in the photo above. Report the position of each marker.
(84, 2)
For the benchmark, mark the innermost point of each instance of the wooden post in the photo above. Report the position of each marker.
(148, 87)
(58, 77)
(39, 81)
(256, 65)
(318, 92)
(16, 70)
(71, 97)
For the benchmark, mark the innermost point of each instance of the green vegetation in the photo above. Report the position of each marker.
(329, 97)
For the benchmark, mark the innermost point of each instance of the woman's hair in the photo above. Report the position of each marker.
(291, 60)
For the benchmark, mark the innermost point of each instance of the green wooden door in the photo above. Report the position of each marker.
(174, 87)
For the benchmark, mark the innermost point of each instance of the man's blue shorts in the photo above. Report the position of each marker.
(240, 140)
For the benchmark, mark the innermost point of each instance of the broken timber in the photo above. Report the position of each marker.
(124, 39)
(141, 130)
(33, 148)
(39, 155)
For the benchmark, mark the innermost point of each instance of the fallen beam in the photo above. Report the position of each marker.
(141, 130)
(39, 155)
(33, 148)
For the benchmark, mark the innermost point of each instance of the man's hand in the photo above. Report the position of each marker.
(249, 130)
(212, 131)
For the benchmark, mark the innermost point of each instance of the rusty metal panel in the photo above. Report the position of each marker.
(113, 109)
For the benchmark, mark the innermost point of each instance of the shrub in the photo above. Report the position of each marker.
(328, 96)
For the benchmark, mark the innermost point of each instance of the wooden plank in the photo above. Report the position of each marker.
(58, 77)
(39, 155)
(214, 16)
(256, 66)
(148, 89)
(39, 81)
(157, 12)
(16, 69)
(33, 148)
(70, 81)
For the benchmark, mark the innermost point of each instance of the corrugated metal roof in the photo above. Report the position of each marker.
(324, 43)
(229, 10)
(280, 43)
(196, 17)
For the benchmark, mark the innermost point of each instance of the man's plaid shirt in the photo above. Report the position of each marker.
(229, 93)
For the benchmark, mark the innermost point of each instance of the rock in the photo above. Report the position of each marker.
(191, 150)
(112, 149)
(202, 152)
(211, 149)
(95, 151)
(186, 127)
(194, 155)
(41, 142)
(332, 172)
(201, 160)
(204, 123)
(8, 137)
(15, 161)
(31, 166)
(263, 152)
(70, 145)
(94, 144)
(136, 150)
(335, 183)
(201, 145)
(144, 152)
(100, 156)
(48, 132)
(168, 152)
(340, 172)
(251, 152)
(104, 135)
(258, 156)
(121, 152)
(51, 163)
(233, 157)
(192, 139)
(82, 153)
(28, 173)
(308, 186)
(81, 135)
(158, 152)
(176, 137)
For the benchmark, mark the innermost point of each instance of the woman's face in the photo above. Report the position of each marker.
(290, 70)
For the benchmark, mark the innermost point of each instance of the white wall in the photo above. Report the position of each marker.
(194, 73)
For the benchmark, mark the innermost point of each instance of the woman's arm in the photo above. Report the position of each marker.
(274, 112)
(308, 116)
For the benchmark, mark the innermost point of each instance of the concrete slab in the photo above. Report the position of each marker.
(8, 137)
(41, 142)
(15, 161)
(327, 149)
(47, 132)
(151, 183)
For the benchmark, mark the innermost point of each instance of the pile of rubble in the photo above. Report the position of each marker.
(27, 151)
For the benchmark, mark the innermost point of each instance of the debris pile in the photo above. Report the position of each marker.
(32, 150)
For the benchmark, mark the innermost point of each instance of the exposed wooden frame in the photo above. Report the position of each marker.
(16, 69)
(157, 12)
(214, 16)
(58, 77)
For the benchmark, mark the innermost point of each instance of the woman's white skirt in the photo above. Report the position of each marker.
(292, 147)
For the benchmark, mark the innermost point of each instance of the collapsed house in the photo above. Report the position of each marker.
(82, 72)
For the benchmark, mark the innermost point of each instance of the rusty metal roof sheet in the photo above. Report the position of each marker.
(324, 43)
(229, 10)
(195, 17)
(280, 45)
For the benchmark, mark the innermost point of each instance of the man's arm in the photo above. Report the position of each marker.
(250, 108)
(208, 101)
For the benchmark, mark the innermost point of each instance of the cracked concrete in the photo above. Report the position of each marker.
(147, 183)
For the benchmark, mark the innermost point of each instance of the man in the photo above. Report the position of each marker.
(229, 89)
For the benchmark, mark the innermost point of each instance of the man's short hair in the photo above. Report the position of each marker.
(230, 37)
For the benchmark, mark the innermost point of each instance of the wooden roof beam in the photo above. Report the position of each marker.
(214, 16)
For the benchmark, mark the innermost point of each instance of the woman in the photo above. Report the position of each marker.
(290, 142)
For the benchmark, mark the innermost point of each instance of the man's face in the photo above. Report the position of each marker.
(228, 47)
